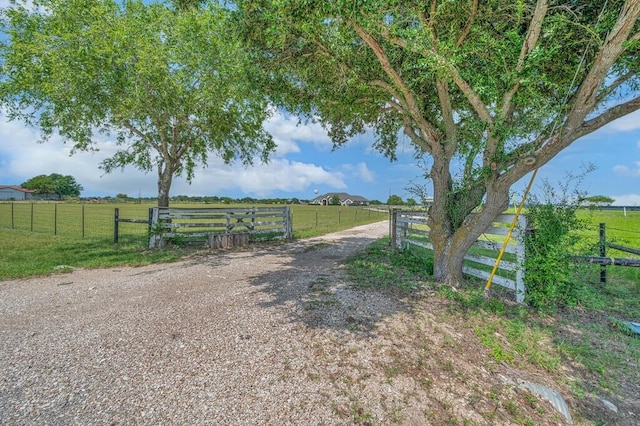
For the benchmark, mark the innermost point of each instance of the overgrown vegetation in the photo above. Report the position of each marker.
(581, 346)
(553, 237)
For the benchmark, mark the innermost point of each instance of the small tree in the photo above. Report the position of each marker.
(66, 186)
(549, 270)
(172, 85)
(335, 200)
(597, 200)
(62, 186)
(395, 200)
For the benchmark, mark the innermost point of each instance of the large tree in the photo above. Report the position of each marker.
(486, 90)
(171, 85)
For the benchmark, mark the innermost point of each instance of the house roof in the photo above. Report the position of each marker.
(17, 188)
(342, 195)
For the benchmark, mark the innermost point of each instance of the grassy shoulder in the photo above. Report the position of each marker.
(584, 347)
(30, 254)
(26, 253)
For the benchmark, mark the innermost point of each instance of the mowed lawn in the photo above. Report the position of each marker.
(40, 238)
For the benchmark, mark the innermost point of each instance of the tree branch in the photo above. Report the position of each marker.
(389, 89)
(415, 138)
(530, 41)
(127, 124)
(613, 86)
(447, 115)
(612, 47)
(467, 28)
(470, 94)
(607, 117)
(407, 97)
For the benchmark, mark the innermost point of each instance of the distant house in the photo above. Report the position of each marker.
(17, 193)
(345, 199)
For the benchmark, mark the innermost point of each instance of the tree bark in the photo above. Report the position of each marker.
(165, 177)
(451, 239)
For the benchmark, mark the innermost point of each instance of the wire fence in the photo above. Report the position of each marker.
(95, 220)
(72, 219)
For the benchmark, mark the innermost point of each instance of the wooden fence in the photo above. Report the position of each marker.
(221, 227)
(410, 228)
(605, 261)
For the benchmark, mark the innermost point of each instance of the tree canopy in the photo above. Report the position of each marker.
(395, 200)
(486, 91)
(170, 85)
(63, 186)
(597, 200)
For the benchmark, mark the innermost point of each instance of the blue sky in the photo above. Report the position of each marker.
(304, 162)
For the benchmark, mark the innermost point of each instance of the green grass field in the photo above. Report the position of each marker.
(37, 237)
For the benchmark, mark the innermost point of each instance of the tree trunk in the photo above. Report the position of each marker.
(165, 177)
(450, 244)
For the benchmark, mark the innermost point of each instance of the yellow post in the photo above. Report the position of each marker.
(506, 240)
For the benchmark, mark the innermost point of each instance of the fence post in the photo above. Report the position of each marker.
(338, 216)
(316, 218)
(393, 229)
(150, 221)
(288, 232)
(32, 217)
(82, 220)
(116, 216)
(13, 225)
(603, 252)
(522, 234)
(154, 238)
(55, 219)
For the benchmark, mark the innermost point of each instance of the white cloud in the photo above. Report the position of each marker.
(627, 123)
(626, 200)
(359, 171)
(287, 133)
(623, 170)
(22, 158)
(365, 174)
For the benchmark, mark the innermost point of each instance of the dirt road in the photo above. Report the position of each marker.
(214, 339)
(269, 335)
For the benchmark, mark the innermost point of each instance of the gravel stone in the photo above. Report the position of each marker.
(228, 338)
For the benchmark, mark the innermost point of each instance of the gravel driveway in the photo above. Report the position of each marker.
(235, 337)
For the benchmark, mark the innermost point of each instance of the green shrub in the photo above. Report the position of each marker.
(549, 269)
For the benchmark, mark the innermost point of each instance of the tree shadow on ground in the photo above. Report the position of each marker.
(312, 284)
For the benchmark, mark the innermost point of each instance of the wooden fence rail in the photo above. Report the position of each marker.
(210, 223)
(603, 260)
(410, 228)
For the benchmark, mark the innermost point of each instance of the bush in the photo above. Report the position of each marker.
(549, 269)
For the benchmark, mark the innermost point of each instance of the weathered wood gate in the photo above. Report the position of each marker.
(220, 227)
(410, 228)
